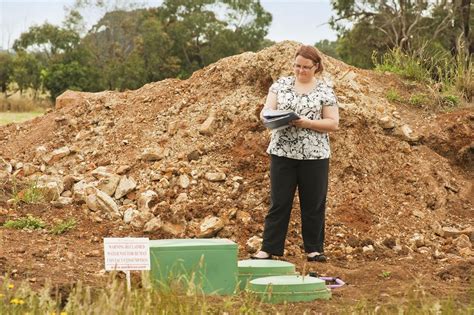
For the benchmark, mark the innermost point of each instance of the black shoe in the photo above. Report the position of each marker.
(257, 258)
(318, 258)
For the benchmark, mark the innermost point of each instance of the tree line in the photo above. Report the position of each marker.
(431, 41)
(128, 48)
(365, 26)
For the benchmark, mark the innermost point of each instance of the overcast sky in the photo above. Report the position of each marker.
(301, 20)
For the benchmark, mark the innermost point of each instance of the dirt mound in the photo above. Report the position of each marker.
(451, 137)
(187, 159)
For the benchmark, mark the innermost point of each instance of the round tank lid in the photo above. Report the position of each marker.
(288, 281)
(259, 263)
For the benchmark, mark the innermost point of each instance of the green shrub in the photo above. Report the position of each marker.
(418, 100)
(29, 222)
(449, 100)
(63, 226)
(393, 96)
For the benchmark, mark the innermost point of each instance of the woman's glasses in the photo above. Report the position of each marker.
(305, 68)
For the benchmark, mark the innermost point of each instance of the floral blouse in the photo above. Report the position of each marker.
(301, 143)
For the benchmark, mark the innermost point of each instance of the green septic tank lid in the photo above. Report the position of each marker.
(255, 267)
(192, 243)
(279, 289)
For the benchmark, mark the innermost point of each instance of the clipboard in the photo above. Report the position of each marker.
(278, 119)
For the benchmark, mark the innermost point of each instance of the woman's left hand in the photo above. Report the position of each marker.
(303, 122)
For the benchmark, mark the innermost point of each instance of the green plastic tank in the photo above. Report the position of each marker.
(204, 265)
(279, 289)
(258, 268)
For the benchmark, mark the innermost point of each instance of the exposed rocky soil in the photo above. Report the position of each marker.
(178, 159)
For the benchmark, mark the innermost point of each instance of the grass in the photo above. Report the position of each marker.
(417, 100)
(144, 298)
(63, 226)
(114, 298)
(16, 117)
(25, 102)
(29, 222)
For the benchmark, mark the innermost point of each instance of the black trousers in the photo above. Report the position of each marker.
(311, 178)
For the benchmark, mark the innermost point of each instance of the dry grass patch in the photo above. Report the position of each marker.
(14, 117)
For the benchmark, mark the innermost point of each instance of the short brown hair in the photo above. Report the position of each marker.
(309, 52)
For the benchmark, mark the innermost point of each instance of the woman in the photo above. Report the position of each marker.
(300, 155)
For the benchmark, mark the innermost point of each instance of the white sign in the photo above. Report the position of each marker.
(127, 253)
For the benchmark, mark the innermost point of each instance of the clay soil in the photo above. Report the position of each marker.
(391, 194)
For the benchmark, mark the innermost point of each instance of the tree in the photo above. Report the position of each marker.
(191, 24)
(202, 37)
(26, 71)
(249, 23)
(467, 23)
(53, 56)
(407, 25)
(155, 49)
(128, 48)
(6, 71)
(116, 45)
(357, 45)
(328, 47)
(60, 77)
(457, 32)
(398, 20)
(48, 39)
(173, 40)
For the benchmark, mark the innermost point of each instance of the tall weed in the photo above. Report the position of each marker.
(464, 80)
(31, 194)
(406, 65)
(432, 66)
